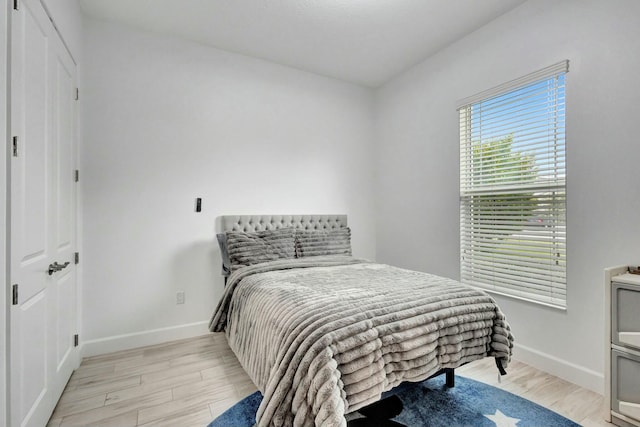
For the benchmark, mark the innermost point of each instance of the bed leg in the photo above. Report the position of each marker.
(450, 378)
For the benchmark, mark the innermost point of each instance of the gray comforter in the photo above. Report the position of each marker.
(323, 336)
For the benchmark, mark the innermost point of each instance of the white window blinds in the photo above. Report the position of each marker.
(512, 188)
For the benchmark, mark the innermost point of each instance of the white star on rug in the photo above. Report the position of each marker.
(502, 420)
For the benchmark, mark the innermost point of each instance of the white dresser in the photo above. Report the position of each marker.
(622, 347)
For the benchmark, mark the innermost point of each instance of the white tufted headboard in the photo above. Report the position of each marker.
(250, 223)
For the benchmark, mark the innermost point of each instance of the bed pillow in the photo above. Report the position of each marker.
(260, 246)
(224, 253)
(323, 242)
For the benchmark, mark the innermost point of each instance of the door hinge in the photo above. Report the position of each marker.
(76, 175)
(14, 299)
(76, 340)
(76, 257)
(15, 4)
(77, 94)
(15, 146)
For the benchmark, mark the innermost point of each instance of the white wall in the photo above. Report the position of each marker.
(166, 121)
(417, 162)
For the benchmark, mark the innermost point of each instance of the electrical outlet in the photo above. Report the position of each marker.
(180, 297)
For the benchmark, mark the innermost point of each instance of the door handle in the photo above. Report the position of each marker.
(56, 267)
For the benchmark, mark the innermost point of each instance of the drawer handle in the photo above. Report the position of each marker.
(630, 409)
(630, 338)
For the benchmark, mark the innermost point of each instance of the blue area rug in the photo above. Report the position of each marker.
(430, 403)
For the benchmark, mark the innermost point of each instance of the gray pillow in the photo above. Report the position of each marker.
(260, 246)
(224, 252)
(323, 242)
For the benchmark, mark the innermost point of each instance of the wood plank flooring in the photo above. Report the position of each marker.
(190, 382)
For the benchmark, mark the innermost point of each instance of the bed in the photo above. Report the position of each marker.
(322, 333)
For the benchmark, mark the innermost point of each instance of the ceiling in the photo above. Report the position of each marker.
(361, 41)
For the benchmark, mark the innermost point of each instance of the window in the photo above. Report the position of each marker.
(512, 188)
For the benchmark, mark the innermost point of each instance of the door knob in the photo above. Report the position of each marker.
(56, 267)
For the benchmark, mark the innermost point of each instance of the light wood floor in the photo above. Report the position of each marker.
(190, 382)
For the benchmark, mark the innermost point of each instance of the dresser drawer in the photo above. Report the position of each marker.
(625, 315)
(625, 383)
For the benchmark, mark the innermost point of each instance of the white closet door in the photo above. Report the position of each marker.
(63, 231)
(42, 216)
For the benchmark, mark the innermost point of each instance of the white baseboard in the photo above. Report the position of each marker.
(568, 371)
(140, 339)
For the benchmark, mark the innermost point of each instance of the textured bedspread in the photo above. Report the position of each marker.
(323, 336)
